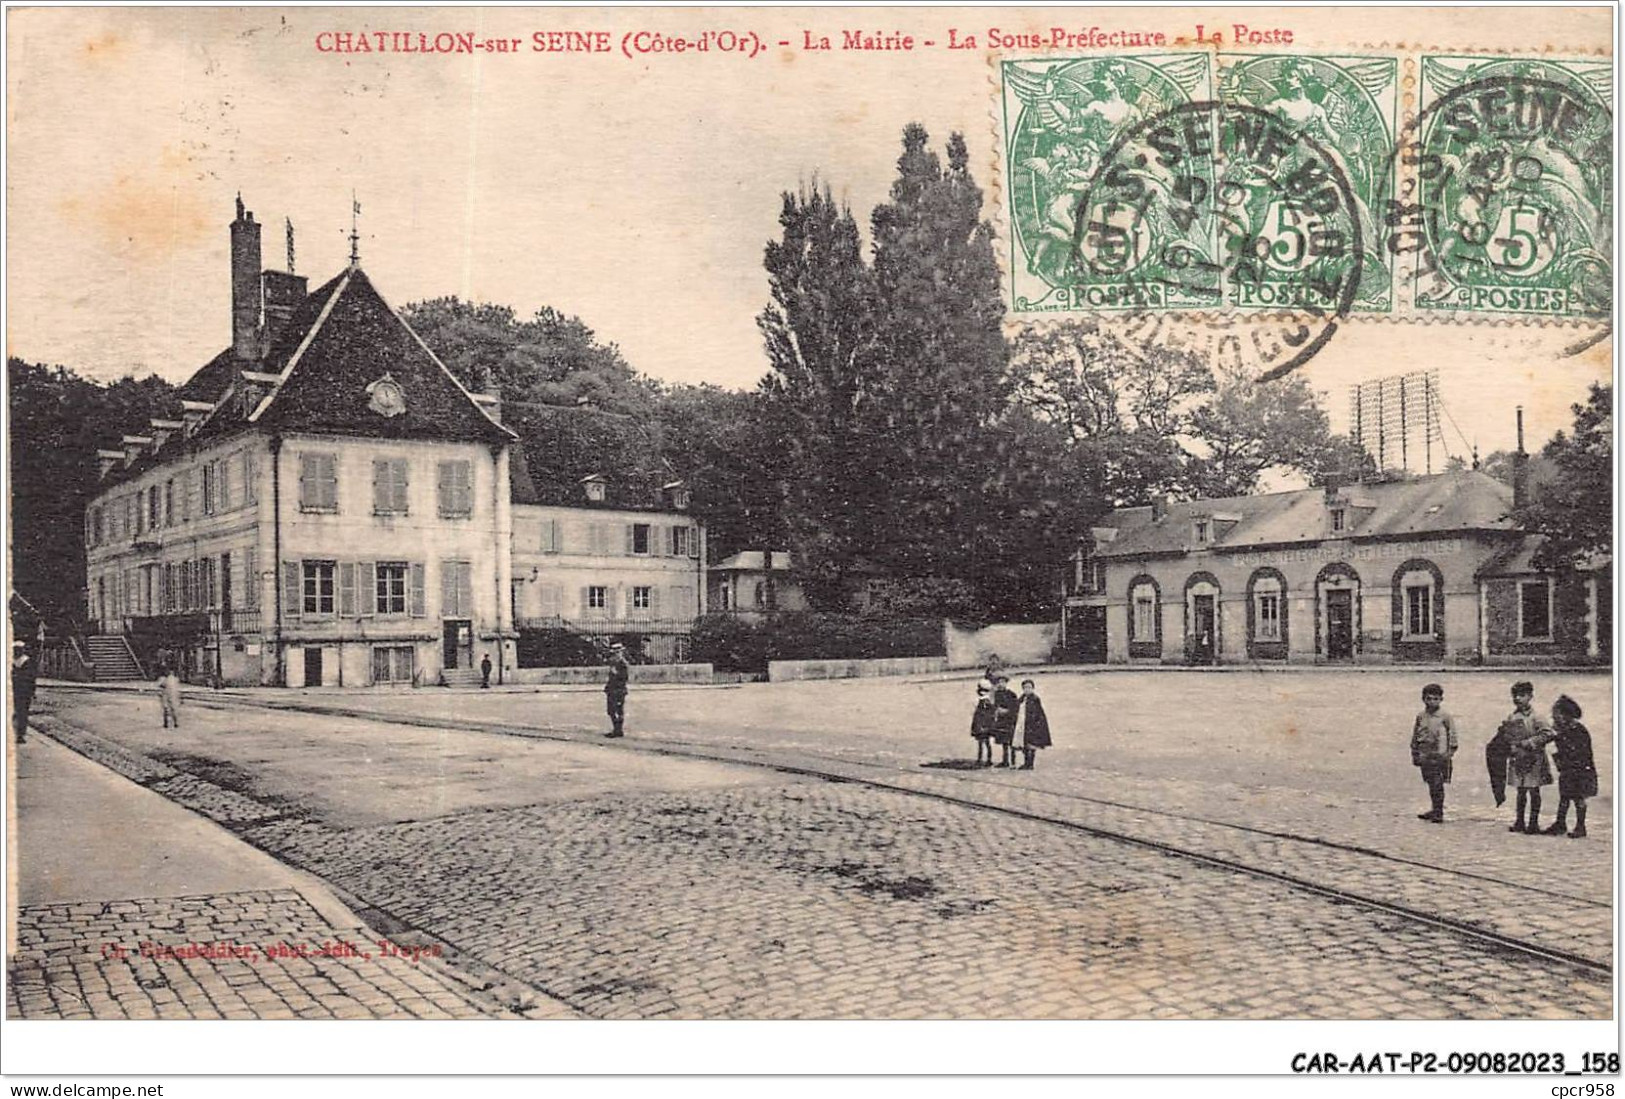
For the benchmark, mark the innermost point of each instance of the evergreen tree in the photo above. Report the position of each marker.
(819, 331)
(942, 385)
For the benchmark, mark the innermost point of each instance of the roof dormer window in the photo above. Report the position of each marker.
(1203, 531)
(1340, 519)
(595, 487)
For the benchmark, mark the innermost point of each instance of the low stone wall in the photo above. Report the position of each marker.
(778, 670)
(1011, 643)
(641, 673)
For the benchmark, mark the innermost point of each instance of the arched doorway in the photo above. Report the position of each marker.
(1202, 639)
(1337, 617)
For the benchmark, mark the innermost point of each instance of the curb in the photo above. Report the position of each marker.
(506, 995)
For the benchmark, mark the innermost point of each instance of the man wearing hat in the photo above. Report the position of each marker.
(24, 671)
(615, 689)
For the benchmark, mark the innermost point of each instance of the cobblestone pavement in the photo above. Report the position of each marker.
(810, 899)
(1321, 755)
(129, 960)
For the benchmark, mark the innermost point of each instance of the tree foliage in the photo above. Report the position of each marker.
(1156, 420)
(889, 380)
(1574, 508)
(58, 421)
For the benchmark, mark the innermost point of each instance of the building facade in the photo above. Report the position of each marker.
(1426, 569)
(332, 507)
(739, 585)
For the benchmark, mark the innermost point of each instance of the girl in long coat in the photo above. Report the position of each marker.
(1034, 724)
(1576, 769)
(1005, 702)
(981, 724)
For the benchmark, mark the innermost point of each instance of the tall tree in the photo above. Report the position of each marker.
(1574, 509)
(819, 329)
(943, 379)
(1248, 428)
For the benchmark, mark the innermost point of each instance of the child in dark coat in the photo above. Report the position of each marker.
(1576, 769)
(1433, 744)
(1005, 703)
(1034, 724)
(981, 724)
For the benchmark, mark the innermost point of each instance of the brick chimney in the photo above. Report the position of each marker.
(1520, 468)
(245, 284)
(1159, 508)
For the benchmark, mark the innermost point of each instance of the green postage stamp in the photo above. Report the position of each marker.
(1326, 186)
(1511, 211)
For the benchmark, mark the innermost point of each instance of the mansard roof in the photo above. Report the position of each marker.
(340, 340)
(1458, 502)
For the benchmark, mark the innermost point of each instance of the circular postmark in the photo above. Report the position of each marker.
(1505, 205)
(1215, 207)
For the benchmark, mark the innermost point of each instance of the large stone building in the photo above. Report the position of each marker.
(1423, 569)
(331, 506)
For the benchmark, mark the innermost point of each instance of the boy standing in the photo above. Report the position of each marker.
(981, 724)
(1526, 735)
(169, 696)
(1433, 744)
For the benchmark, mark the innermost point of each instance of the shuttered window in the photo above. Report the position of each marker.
(347, 608)
(389, 486)
(454, 487)
(318, 482)
(550, 540)
(292, 597)
(456, 589)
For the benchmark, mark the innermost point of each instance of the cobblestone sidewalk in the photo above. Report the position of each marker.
(138, 959)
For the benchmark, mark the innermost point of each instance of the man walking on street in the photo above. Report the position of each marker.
(24, 671)
(615, 689)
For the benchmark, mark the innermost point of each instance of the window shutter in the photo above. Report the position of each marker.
(442, 487)
(330, 480)
(418, 599)
(251, 579)
(292, 596)
(654, 602)
(380, 494)
(367, 588)
(347, 589)
(465, 589)
(222, 480)
(448, 590)
(586, 602)
(556, 534)
(693, 541)
(629, 528)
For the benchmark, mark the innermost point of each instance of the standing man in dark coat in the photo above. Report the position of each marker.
(615, 689)
(1005, 703)
(24, 671)
(485, 670)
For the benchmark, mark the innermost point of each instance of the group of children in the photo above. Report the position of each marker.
(1516, 758)
(1013, 722)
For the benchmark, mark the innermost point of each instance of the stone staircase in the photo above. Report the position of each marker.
(461, 677)
(113, 658)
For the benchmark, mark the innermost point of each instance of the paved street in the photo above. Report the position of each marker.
(625, 881)
(108, 921)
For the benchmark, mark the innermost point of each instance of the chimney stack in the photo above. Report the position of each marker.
(1159, 508)
(491, 402)
(1520, 468)
(245, 284)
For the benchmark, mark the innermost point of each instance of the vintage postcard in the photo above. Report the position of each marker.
(872, 514)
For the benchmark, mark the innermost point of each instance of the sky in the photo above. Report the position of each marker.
(635, 193)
